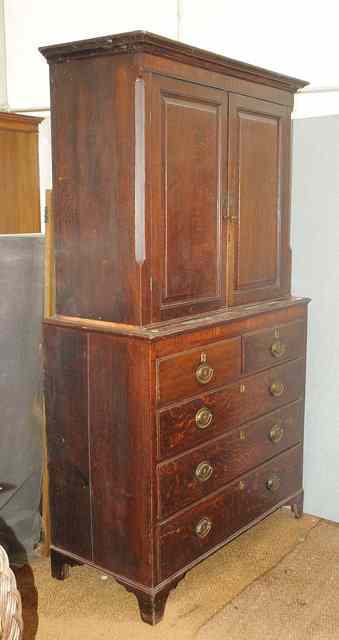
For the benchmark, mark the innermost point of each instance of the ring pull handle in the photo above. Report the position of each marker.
(276, 433)
(203, 527)
(204, 471)
(273, 483)
(203, 418)
(204, 372)
(277, 389)
(278, 349)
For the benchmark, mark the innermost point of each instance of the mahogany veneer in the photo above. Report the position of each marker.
(175, 365)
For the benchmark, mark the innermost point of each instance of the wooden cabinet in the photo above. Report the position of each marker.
(175, 364)
(19, 178)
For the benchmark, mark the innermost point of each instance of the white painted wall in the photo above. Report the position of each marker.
(296, 38)
(3, 74)
(34, 23)
(315, 242)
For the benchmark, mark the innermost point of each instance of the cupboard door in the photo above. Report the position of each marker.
(259, 257)
(187, 179)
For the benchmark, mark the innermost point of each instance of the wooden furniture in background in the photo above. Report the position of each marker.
(175, 362)
(19, 175)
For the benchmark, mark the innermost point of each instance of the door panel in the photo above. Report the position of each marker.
(259, 259)
(188, 165)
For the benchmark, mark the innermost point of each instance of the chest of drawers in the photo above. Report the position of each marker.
(175, 363)
(164, 444)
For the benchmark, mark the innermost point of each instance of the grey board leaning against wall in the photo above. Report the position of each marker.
(21, 308)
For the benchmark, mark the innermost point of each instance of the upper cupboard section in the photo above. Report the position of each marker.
(218, 184)
(170, 179)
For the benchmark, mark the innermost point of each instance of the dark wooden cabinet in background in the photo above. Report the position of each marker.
(175, 364)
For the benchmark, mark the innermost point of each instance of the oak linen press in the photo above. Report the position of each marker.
(175, 363)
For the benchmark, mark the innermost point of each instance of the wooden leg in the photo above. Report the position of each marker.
(152, 605)
(60, 565)
(297, 505)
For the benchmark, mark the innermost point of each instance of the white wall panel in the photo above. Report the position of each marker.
(34, 23)
(315, 242)
(295, 38)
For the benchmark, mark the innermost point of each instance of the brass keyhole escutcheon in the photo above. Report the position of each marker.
(273, 483)
(203, 471)
(277, 389)
(204, 372)
(203, 527)
(278, 349)
(203, 418)
(276, 433)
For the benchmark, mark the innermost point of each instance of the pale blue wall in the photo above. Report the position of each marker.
(315, 243)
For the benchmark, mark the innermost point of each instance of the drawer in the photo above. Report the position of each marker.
(188, 537)
(194, 475)
(189, 424)
(267, 348)
(186, 374)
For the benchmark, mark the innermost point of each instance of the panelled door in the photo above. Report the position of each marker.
(259, 256)
(186, 181)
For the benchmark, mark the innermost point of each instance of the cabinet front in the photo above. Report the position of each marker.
(259, 257)
(188, 177)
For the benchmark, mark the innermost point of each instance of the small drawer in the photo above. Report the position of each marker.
(189, 424)
(186, 538)
(194, 475)
(186, 374)
(267, 348)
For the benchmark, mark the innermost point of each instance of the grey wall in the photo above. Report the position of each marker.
(315, 243)
(21, 424)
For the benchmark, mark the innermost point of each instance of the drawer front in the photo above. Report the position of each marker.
(196, 474)
(188, 373)
(191, 423)
(192, 534)
(267, 348)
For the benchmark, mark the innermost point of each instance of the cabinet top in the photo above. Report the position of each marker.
(19, 122)
(144, 42)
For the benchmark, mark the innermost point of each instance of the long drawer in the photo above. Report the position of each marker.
(192, 476)
(187, 537)
(188, 424)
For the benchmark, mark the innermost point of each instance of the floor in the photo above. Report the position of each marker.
(246, 590)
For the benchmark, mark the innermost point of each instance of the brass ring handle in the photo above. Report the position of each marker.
(276, 433)
(204, 372)
(277, 389)
(278, 349)
(273, 483)
(204, 471)
(203, 527)
(203, 418)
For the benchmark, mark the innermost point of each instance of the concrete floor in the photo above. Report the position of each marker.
(92, 606)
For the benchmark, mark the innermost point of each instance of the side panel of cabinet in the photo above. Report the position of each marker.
(121, 456)
(259, 257)
(97, 275)
(66, 394)
(188, 143)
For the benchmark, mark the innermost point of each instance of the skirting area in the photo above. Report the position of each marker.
(279, 580)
